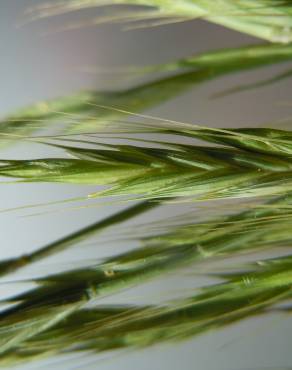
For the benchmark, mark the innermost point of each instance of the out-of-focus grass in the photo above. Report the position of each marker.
(50, 319)
(83, 113)
(266, 19)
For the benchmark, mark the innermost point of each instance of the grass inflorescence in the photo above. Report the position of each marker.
(185, 163)
(56, 307)
(266, 19)
(249, 163)
(82, 112)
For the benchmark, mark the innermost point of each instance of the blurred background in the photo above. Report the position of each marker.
(41, 60)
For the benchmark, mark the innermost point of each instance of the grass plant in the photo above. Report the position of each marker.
(186, 162)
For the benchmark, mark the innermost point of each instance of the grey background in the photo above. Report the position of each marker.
(38, 63)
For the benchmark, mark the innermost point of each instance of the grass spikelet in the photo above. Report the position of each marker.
(251, 163)
(242, 295)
